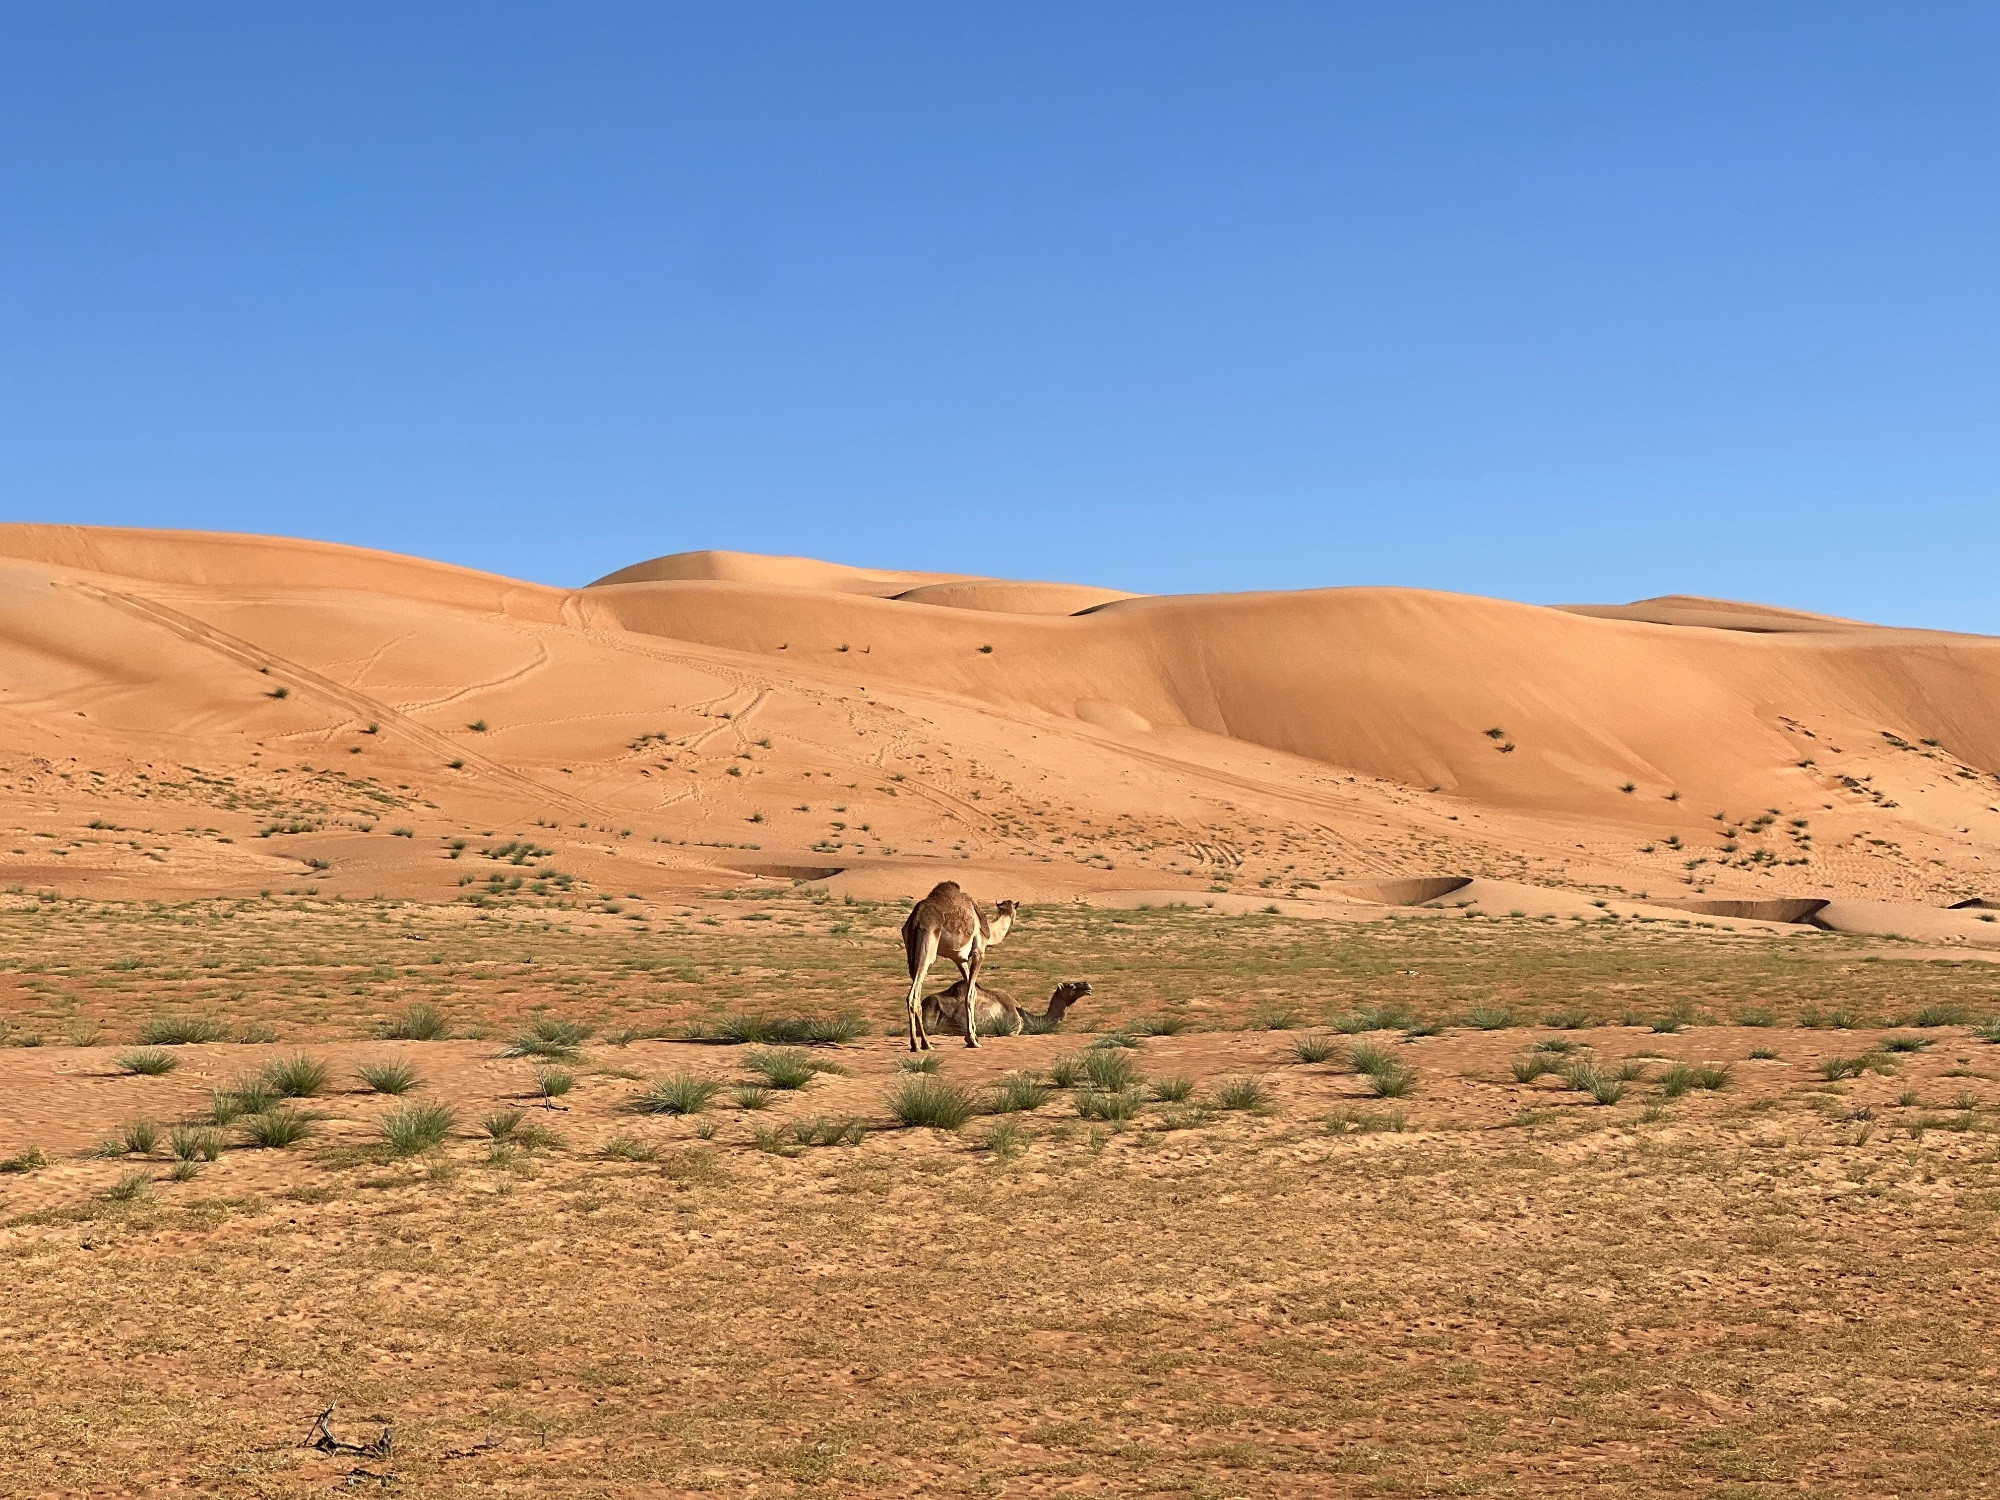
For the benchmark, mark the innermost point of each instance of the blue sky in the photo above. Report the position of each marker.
(1548, 301)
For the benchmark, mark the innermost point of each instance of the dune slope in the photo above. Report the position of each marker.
(698, 716)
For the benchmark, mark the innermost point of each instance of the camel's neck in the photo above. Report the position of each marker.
(1059, 1003)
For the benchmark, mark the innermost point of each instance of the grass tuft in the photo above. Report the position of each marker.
(388, 1077)
(417, 1022)
(1017, 1092)
(275, 1129)
(297, 1076)
(1314, 1047)
(1489, 1017)
(919, 1099)
(678, 1094)
(140, 1138)
(413, 1128)
(550, 1037)
(1243, 1093)
(152, 1062)
(178, 1031)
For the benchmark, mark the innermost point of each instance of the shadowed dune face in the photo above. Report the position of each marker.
(746, 716)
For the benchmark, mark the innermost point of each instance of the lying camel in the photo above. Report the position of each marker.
(997, 1011)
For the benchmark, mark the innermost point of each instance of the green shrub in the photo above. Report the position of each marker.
(278, 1128)
(1066, 1072)
(552, 1083)
(30, 1160)
(551, 1038)
(678, 1094)
(502, 1124)
(177, 1031)
(388, 1077)
(140, 1138)
(919, 1099)
(153, 1062)
(192, 1143)
(787, 1031)
(1489, 1017)
(1175, 1090)
(1016, 1092)
(1116, 1106)
(413, 1128)
(133, 1187)
(1109, 1071)
(1939, 1015)
(781, 1068)
(751, 1096)
(1162, 1025)
(1372, 1057)
(297, 1077)
(1528, 1068)
(1243, 1093)
(417, 1022)
(1313, 1047)
(1396, 1082)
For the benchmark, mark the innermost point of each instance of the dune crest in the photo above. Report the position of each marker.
(707, 717)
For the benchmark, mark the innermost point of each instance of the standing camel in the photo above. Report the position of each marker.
(948, 921)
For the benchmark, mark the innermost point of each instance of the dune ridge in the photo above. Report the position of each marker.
(696, 718)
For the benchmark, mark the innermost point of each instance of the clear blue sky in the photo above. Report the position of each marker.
(1549, 301)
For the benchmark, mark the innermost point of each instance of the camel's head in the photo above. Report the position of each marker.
(1008, 909)
(1067, 994)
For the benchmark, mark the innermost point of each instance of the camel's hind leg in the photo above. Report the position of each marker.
(972, 998)
(921, 959)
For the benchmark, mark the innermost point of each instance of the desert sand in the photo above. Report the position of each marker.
(710, 718)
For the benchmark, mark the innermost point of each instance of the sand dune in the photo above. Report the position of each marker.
(706, 717)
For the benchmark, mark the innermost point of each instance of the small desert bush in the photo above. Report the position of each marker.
(1763, 1054)
(1489, 1017)
(413, 1128)
(1109, 1071)
(552, 1083)
(1630, 1070)
(133, 1187)
(502, 1124)
(278, 1128)
(297, 1077)
(1066, 1072)
(30, 1160)
(1756, 1018)
(1115, 1106)
(1684, 1077)
(1242, 1093)
(1016, 1092)
(781, 1067)
(1371, 1057)
(177, 1031)
(193, 1143)
(1373, 1018)
(1988, 1030)
(922, 1062)
(678, 1094)
(388, 1077)
(1570, 1018)
(1396, 1082)
(1905, 1043)
(815, 1131)
(140, 1137)
(751, 1096)
(1273, 1018)
(1533, 1065)
(1124, 1039)
(417, 1022)
(1313, 1047)
(919, 1099)
(550, 1037)
(787, 1031)
(1175, 1090)
(1034, 1025)
(1162, 1025)
(625, 1148)
(153, 1062)
(1938, 1015)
